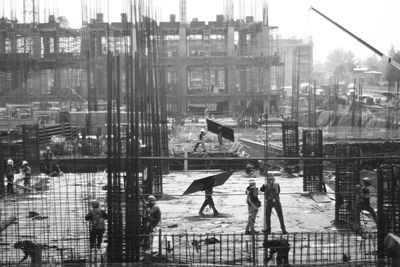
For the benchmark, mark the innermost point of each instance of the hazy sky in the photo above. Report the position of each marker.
(374, 21)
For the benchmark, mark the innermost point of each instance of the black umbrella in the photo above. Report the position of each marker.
(215, 180)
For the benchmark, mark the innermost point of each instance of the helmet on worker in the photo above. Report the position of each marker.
(202, 130)
(95, 203)
(24, 162)
(47, 148)
(10, 162)
(151, 198)
(252, 182)
(367, 181)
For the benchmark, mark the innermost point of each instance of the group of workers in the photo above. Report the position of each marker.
(26, 176)
(49, 168)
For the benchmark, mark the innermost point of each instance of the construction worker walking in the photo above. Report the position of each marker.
(253, 203)
(96, 217)
(26, 171)
(208, 190)
(272, 191)
(201, 141)
(10, 176)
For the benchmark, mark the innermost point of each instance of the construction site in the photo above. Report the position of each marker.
(183, 118)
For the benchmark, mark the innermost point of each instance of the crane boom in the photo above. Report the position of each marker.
(386, 58)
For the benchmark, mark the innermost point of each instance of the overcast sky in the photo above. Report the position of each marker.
(374, 21)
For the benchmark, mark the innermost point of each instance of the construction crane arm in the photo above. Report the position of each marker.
(386, 58)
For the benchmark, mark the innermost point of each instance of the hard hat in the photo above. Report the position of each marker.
(10, 162)
(151, 198)
(47, 148)
(24, 162)
(202, 130)
(95, 203)
(366, 180)
(251, 181)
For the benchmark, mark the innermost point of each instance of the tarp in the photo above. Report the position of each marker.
(216, 180)
(227, 132)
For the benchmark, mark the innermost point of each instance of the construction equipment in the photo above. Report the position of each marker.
(383, 56)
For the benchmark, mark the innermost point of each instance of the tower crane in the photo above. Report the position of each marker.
(383, 56)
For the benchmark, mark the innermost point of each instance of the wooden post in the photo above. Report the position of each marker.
(392, 248)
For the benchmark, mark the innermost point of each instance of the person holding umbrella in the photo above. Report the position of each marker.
(208, 190)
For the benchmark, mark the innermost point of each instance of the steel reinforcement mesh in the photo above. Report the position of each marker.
(290, 141)
(347, 177)
(388, 203)
(312, 169)
(51, 214)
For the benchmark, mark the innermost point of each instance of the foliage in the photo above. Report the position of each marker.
(340, 62)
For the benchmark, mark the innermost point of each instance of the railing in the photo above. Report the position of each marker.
(296, 249)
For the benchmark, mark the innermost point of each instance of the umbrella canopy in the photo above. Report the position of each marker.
(215, 180)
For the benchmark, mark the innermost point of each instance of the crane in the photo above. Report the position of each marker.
(383, 56)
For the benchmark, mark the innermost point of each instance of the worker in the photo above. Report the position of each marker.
(153, 213)
(30, 249)
(362, 201)
(26, 171)
(10, 176)
(279, 246)
(253, 203)
(201, 141)
(208, 190)
(272, 191)
(220, 141)
(152, 220)
(96, 217)
(48, 160)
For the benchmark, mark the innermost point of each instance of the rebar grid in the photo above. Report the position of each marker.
(347, 177)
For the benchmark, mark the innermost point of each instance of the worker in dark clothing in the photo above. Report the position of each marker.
(272, 191)
(279, 246)
(208, 190)
(201, 141)
(152, 220)
(153, 213)
(10, 176)
(48, 161)
(362, 201)
(220, 141)
(30, 249)
(26, 171)
(253, 203)
(96, 217)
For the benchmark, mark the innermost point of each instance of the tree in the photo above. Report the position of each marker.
(340, 62)
(391, 73)
(374, 63)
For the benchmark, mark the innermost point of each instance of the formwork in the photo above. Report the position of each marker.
(290, 141)
(312, 169)
(388, 219)
(347, 176)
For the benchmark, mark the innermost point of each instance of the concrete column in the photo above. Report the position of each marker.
(13, 39)
(182, 41)
(230, 41)
(181, 88)
(46, 44)
(37, 46)
(265, 52)
(56, 39)
(3, 42)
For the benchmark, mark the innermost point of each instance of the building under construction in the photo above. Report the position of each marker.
(125, 77)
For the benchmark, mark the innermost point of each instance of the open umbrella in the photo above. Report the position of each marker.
(216, 180)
